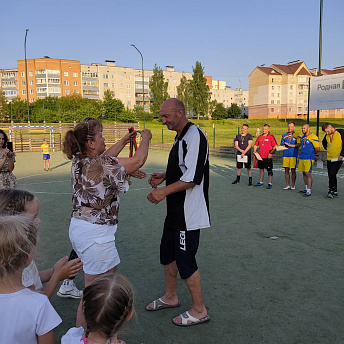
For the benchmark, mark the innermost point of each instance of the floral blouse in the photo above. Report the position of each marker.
(97, 182)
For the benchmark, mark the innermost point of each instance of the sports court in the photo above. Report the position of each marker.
(271, 264)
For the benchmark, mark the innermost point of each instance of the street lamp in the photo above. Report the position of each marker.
(143, 89)
(320, 53)
(27, 86)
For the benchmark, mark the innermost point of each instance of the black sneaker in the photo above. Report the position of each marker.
(335, 193)
(250, 184)
(236, 181)
(303, 191)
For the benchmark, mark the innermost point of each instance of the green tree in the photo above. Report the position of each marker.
(200, 92)
(19, 110)
(158, 90)
(4, 107)
(183, 93)
(220, 112)
(234, 111)
(112, 108)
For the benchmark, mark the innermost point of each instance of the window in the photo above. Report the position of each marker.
(23, 91)
(75, 83)
(113, 85)
(76, 92)
(66, 83)
(291, 79)
(272, 80)
(291, 87)
(66, 92)
(272, 95)
(272, 101)
(75, 75)
(128, 94)
(302, 79)
(22, 74)
(272, 110)
(31, 82)
(272, 87)
(23, 83)
(277, 109)
(121, 94)
(105, 76)
(291, 94)
(290, 109)
(32, 91)
(278, 102)
(128, 86)
(121, 86)
(32, 100)
(106, 84)
(65, 73)
(30, 74)
(278, 95)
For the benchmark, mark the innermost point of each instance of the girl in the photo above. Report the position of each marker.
(14, 201)
(7, 178)
(97, 181)
(25, 317)
(107, 305)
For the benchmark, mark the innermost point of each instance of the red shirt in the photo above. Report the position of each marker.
(266, 144)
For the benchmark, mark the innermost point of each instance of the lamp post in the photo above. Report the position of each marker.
(143, 89)
(27, 86)
(320, 52)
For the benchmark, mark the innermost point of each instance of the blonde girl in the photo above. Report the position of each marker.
(107, 304)
(25, 317)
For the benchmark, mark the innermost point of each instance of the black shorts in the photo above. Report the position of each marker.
(246, 164)
(180, 246)
(265, 163)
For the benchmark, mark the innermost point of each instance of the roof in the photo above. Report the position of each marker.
(268, 70)
(290, 68)
(333, 71)
(304, 71)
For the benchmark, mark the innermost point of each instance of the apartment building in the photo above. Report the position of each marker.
(48, 77)
(281, 91)
(9, 82)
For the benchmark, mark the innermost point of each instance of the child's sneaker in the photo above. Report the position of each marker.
(259, 184)
(70, 291)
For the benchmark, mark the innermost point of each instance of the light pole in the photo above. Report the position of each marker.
(27, 86)
(143, 89)
(320, 52)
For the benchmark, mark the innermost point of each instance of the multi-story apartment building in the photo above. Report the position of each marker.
(9, 82)
(227, 96)
(48, 77)
(281, 91)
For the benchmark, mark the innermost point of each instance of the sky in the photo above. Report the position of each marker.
(230, 38)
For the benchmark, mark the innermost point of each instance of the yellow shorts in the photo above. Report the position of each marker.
(289, 162)
(305, 165)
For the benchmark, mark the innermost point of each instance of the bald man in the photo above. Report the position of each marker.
(186, 193)
(309, 147)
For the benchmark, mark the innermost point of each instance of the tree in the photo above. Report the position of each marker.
(112, 108)
(234, 111)
(183, 93)
(220, 112)
(4, 108)
(158, 90)
(200, 92)
(19, 110)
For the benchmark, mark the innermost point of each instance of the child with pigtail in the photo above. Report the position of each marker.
(107, 304)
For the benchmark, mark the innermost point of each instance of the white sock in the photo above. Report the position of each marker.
(309, 191)
(68, 283)
(306, 187)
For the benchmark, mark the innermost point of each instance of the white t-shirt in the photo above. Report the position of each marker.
(24, 316)
(31, 277)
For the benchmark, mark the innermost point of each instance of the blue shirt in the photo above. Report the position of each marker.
(308, 145)
(291, 139)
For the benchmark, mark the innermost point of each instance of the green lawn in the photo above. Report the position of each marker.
(226, 130)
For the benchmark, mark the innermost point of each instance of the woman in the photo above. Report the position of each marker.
(97, 180)
(7, 178)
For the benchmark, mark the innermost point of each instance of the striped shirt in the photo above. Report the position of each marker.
(189, 162)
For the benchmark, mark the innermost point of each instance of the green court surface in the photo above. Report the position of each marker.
(271, 263)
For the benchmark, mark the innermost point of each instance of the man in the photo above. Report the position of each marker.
(309, 147)
(243, 144)
(186, 192)
(333, 143)
(290, 140)
(267, 144)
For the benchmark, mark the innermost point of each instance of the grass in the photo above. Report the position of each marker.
(226, 130)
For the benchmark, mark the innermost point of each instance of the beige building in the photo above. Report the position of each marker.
(9, 83)
(281, 91)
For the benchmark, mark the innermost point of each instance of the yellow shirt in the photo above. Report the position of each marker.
(334, 145)
(45, 148)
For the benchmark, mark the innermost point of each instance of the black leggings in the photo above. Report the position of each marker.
(332, 170)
